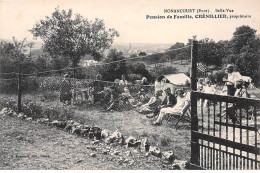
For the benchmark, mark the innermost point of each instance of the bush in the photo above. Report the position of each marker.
(163, 70)
(217, 77)
(133, 77)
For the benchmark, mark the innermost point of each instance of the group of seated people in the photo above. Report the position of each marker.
(117, 96)
(112, 97)
(172, 104)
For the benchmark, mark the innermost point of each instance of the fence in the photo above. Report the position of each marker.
(224, 134)
(218, 141)
(227, 133)
(87, 92)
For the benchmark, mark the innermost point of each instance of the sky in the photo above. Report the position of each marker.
(128, 17)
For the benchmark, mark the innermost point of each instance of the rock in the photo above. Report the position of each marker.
(105, 133)
(175, 167)
(4, 111)
(29, 119)
(95, 133)
(15, 114)
(76, 129)
(132, 142)
(93, 154)
(75, 123)
(68, 128)
(21, 115)
(95, 142)
(145, 145)
(179, 165)
(147, 154)
(155, 151)
(42, 120)
(84, 132)
(70, 122)
(168, 155)
(116, 137)
(10, 112)
(59, 124)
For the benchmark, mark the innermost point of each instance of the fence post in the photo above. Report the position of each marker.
(19, 89)
(195, 149)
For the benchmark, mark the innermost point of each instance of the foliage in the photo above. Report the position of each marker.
(136, 71)
(245, 52)
(163, 70)
(71, 37)
(242, 37)
(179, 54)
(113, 71)
(142, 54)
(217, 77)
(13, 56)
(210, 52)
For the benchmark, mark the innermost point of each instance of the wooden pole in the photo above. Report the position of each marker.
(195, 149)
(19, 90)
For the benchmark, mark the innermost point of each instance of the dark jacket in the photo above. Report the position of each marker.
(169, 101)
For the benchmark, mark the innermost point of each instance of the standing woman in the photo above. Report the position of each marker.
(66, 90)
(98, 86)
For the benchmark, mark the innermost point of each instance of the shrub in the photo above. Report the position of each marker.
(217, 77)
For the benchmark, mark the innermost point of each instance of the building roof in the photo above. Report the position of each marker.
(176, 79)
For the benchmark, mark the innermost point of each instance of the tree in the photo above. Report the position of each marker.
(245, 52)
(248, 61)
(142, 54)
(242, 37)
(75, 37)
(114, 70)
(210, 53)
(181, 53)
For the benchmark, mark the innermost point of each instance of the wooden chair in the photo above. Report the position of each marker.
(185, 116)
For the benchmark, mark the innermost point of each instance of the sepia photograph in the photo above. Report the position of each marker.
(129, 85)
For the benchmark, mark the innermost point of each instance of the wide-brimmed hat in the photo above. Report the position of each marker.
(168, 89)
(230, 67)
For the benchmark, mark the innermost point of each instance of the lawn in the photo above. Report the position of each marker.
(129, 123)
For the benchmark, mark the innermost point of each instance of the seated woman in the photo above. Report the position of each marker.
(128, 99)
(209, 89)
(169, 101)
(180, 107)
(153, 104)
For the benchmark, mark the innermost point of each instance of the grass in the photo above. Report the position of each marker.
(130, 123)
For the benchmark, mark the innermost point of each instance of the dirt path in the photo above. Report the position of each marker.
(29, 145)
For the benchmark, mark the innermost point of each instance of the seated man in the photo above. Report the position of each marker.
(231, 111)
(181, 106)
(169, 101)
(153, 104)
